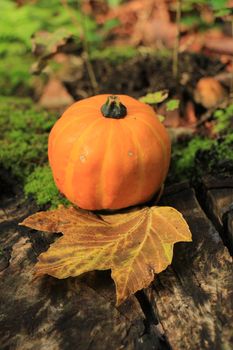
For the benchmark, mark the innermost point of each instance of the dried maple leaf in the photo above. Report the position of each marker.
(134, 245)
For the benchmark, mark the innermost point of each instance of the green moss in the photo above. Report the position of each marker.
(24, 134)
(183, 157)
(114, 54)
(20, 23)
(224, 119)
(190, 160)
(224, 148)
(23, 149)
(41, 186)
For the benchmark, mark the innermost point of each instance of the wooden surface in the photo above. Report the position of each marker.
(188, 306)
(219, 206)
(193, 297)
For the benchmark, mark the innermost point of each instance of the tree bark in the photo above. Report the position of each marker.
(188, 306)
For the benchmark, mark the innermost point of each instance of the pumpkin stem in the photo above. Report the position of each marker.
(113, 108)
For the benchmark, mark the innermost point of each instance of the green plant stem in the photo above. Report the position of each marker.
(231, 83)
(175, 60)
(86, 55)
(89, 65)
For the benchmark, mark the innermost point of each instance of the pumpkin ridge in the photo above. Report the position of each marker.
(90, 192)
(68, 182)
(101, 195)
(165, 158)
(53, 153)
(139, 154)
(121, 135)
(62, 130)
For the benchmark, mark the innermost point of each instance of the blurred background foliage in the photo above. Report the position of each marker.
(21, 21)
(62, 50)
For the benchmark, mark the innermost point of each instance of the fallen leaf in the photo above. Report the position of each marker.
(190, 114)
(55, 95)
(45, 45)
(172, 118)
(161, 118)
(156, 31)
(172, 104)
(135, 245)
(154, 97)
(223, 45)
(209, 92)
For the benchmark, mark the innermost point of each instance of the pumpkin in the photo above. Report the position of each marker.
(109, 152)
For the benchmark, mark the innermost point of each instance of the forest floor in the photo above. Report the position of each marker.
(188, 306)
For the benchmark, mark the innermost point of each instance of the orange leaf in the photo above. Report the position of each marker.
(134, 245)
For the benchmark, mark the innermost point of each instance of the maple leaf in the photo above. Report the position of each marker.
(135, 245)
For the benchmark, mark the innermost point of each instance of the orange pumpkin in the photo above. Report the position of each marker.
(109, 152)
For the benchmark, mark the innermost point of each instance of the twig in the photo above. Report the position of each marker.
(177, 41)
(231, 86)
(209, 114)
(90, 68)
(86, 55)
(206, 116)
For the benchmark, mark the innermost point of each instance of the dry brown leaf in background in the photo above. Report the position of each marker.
(55, 95)
(209, 92)
(190, 115)
(135, 245)
(45, 45)
(222, 45)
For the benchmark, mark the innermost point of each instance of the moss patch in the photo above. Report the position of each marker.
(23, 148)
(24, 133)
(113, 54)
(41, 186)
(224, 120)
(183, 158)
(191, 160)
(23, 151)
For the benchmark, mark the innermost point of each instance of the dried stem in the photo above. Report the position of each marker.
(90, 68)
(231, 85)
(82, 24)
(177, 41)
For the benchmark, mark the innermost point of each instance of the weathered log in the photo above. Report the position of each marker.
(76, 313)
(187, 307)
(193, 297)
(218, 204)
